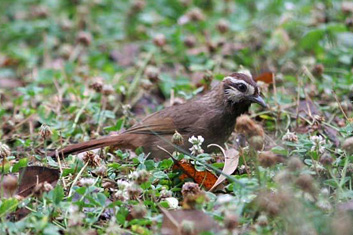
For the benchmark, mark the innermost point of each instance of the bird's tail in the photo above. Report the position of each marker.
(89, 145)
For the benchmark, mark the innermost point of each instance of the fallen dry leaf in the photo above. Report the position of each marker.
(205, 178)
(308, 108)
(332, 134)
(30, 176)
(19, 214)
(230, 165)
(172, 221)
(266, 77)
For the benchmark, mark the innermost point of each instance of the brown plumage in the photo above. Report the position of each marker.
(212, 116)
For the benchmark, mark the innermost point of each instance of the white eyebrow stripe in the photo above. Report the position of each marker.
(250, 90)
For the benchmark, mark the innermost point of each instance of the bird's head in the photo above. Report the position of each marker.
(239, 87)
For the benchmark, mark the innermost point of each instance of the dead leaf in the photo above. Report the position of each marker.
(230, 165)
(308, 108)
(332, 134)
(266, 77)
(205, 178)
(19, 214)
(172, 221)
(30, 176)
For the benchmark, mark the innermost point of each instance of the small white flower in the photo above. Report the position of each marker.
(75, 217)
(133, 175)
(121, 195)
(196, 144)
(193, 140)
(226, 198)
(123, 184)
(173, 203)
(317, 138)
(318, 142)
(183, 20)
(4, 150)
(73, 209)
(86, 182)
(195, 149)
(200, 139)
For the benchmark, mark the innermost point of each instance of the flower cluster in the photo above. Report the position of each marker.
(4, 150)
(290, 137)
(127, 190)
(196, 145)
(318, 142)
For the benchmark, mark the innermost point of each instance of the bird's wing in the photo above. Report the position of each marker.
(167, 121)
(154, 126)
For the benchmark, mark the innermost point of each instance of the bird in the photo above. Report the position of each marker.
(212, 116)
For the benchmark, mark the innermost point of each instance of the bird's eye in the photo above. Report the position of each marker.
(241, 87)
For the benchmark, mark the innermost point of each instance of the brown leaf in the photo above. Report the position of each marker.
(172, 221)
(230, 165)
(308, 108)
(266, 77)
(205, 178)
(30, 176)
(332, 134)
(19, 214)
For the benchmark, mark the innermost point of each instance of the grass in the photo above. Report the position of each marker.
(145, 55)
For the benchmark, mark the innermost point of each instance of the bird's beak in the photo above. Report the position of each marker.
(258, 99)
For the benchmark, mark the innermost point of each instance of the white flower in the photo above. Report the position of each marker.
(225, 198)
(196, 144)
(318, 142)
(4, 150)
(196, 149)
(123, 184)
(173, 203)
(121, 195)
(199, 140)
(75, 217)
(317, 139)
(133, 175)
(193, 140)
(73, 209)
(86, 182)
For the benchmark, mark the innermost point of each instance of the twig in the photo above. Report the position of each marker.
(60, 167)
(81, 111)
(76, 178)
(169, 216)
(340, 106)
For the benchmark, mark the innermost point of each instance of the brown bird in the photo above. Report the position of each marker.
(212, 116)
